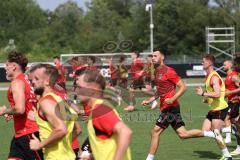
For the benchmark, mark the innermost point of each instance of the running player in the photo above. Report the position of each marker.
(113, 73)
(137, 77)
(232, 84)
(77, 64)
(123, 72)
(108, 135)
(62, 93)
(55, 118)
(91, 63)
(61, 71)
(77, 128)
(214, 94)
(20, 96)
(149, 77)
(166, 80)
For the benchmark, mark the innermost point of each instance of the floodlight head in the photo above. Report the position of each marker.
(148, 6)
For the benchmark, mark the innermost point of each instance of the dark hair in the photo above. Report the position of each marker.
(92, 58)
(50, 70)
(137, 53)
(18, 58)
(122, 58)
(92, 76)
(162, 51)
(56, 57)
(150, 56)
(209, 57)
(74, 59)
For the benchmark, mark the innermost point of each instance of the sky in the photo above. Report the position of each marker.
(53, 4)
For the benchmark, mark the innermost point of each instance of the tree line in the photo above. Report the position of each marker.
(112, 26)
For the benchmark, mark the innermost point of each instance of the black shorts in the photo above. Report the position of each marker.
(170, 115)
(76, 151)
(123, 82)
(113, 82)
(63, 85)
(86, 146)
(149, 81)
(137, 84)
(20, 148)
(233, 109)
(217, 114)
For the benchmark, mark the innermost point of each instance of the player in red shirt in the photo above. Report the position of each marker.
(136, 70)
(105, 121)
(113, 73)
(166, 80)
(232, 88)
(20, 96)
(149, 78)
(77, 63)
(114, 77)
(61, 70)
(91, 63)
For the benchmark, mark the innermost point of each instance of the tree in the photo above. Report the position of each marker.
(19, 19)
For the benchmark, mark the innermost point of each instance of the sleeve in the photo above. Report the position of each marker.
(173, 76)
(105, 119)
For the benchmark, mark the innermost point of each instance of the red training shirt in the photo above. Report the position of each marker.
(104, 120)
(61, 77)
(136, 67)
(166, 80)
(230, 84)
(22, 124)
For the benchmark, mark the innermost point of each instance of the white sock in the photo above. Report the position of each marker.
(226, 129)
(150, 157)
(154, 104)
(208, 134)
(238, 147)
(226, 153)
(228, 136)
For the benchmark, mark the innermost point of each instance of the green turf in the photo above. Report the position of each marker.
(141, 122)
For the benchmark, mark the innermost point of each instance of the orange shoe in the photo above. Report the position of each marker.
(129, 108)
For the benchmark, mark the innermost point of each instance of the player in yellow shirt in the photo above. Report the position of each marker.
(54, 117)
(214, 94)
(109, 136)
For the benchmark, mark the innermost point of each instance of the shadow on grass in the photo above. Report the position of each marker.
(206, 154)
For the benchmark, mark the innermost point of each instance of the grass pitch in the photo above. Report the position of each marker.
(141, 121)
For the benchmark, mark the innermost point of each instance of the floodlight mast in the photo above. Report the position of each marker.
(149, 9)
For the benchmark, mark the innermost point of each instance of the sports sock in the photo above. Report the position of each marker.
(208, 134)
(150, 157)
(226, 129)
(226, 153)
(228, 136)
(238, 147)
